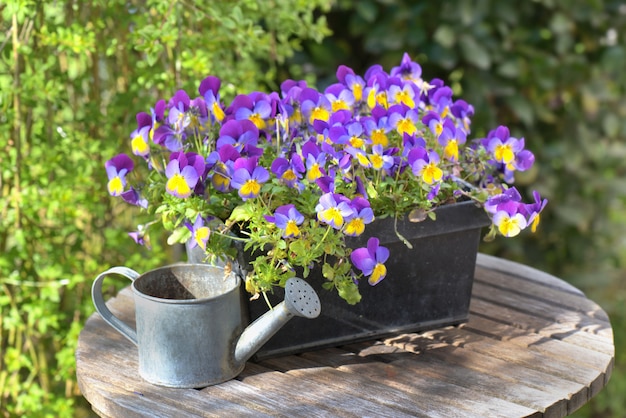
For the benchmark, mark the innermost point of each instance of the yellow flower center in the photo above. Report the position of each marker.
(289, 176)
(331, 216)
(139, 146)
(357, 142)
(250, 188)
(406, 126)
(356, 226)
(340, 105)
(218, 112)
(431, 173)
(451, 151)
(257, 120)
(504, 153)
(379, 273)
(377, 161)
(319, 113)
(201, 235)
(509, 227)
(115, 186)
(357, 91)
(404, 97)
(314, 173)
(379, 137)
(178, 186)
(292, 230)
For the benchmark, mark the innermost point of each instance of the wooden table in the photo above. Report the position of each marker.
(534, 346)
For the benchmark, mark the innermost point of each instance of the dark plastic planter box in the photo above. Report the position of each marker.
(426, 287)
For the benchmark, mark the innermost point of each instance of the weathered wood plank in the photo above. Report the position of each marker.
(346, 381)
(539, 291)
(547, 346)
(542, 309)
(575, 394)
(505, 386)
(520, 270)
(565, 330)
(527, 357)
(462, 401)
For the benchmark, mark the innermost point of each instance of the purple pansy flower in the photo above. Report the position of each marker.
(425, 165)
(371, 260)
(241, 134)
(248, 177)
(403, 119)
(290, 172)
(333, 209)
(183, 173)
(288, 219)
(117, 168)
(200, 233)
(209, 89)
(258, 112)
(140, 137)
(362, 214)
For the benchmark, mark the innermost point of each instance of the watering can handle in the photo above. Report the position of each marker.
(103, 310)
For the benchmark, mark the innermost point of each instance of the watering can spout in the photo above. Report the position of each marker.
(300, 300)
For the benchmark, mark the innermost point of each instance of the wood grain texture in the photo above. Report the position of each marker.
(534, 347)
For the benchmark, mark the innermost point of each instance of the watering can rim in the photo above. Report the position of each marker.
(235, 287)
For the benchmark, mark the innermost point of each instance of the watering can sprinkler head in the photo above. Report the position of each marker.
(300, 300)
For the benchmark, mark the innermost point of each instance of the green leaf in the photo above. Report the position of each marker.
(474, 52)
(328, 271)
(179, 236)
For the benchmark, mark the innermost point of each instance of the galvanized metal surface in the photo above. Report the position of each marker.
(189, 321)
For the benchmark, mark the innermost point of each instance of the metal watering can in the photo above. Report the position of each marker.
(190, 321)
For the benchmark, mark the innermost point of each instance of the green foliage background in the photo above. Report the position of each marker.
(74, 73)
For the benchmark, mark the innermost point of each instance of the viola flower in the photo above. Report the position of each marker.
(362, 214)
(140, 137)
(315, 106)
(117, 168)
(503, 146)
(258, 112)
(290, 172)
(402, 94)
(340, 97)
(532, 210)
(332, 209)
(183, 173)
(241, 134)
(371, 260)
(403, 119)
(168, 137)
(377, 130)
(315, 166)
(200, 233)
(407, 70)
(424, 165)
(288, 219)
(248, 177)
(359, 155)
(353, 82)
(509, 200)
(441, 100)
(379, 160)
(509, 223)
(198, 115)
(132, 197)
(450, 141)
(437, 123)
(209, 89)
